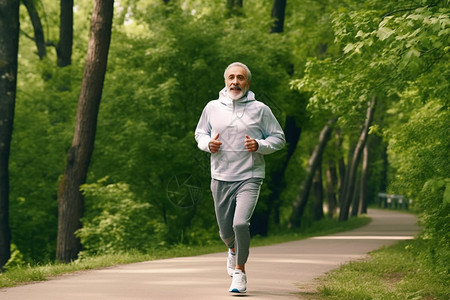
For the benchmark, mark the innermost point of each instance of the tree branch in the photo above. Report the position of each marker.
(432, 4)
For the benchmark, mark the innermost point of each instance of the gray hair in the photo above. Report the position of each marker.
(247, 70)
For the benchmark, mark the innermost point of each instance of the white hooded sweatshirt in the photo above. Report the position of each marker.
(233, 120)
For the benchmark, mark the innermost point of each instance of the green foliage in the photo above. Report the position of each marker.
(398, 54)
(16, 258)
(379, 57)
(171, 71)
(419, 152)
(166, 62)
(45, 111)
(115, 221)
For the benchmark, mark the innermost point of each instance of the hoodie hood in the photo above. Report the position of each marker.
(225, 99)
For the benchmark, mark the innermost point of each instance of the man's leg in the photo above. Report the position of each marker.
(246, 200)
(224, 204)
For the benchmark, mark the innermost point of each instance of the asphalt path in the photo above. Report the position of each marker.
(281, 271)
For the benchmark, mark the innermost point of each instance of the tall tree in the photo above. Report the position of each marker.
(291, 129)
(331, 187)
(318, 194)
(37, 27)
(64, 47)
(364, 179)
(314, 162)
(278, 13)
(348, 189)
(341, 161)
(9, 46)
(292, 132)
(277, 182)
(78, 157)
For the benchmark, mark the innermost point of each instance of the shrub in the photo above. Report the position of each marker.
(116, 221)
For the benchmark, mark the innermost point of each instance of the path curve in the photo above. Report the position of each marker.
(274, 272)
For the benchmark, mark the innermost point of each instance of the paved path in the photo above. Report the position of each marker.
(274, 272)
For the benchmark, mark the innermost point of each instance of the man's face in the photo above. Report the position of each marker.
(236, 82)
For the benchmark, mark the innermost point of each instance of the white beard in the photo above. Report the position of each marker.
(237, 96)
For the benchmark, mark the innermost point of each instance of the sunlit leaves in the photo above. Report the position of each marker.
(384, 33)
(380, 55)
(418, 152)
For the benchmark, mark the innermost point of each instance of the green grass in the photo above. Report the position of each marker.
(18, 275)
(402, 271)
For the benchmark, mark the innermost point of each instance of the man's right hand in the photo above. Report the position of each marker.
(214, 144)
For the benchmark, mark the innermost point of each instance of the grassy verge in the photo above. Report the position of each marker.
(25, 274)
(401, 271)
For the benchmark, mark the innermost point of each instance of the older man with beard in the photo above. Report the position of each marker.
(238, 131)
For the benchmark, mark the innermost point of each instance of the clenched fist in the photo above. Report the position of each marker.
(251, 144)
(214, 144)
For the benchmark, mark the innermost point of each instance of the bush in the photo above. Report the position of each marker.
(419, 152)
(116, 221)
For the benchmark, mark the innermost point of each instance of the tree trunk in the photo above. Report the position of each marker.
(276, 184)
(9, 46)
(350, 152)
(291, 130)
(331, 188)
(318, 193)
(260, 220)
(341, 161)
(350, 178)
(305, 187)
(78, 157)
(355, 197)
(37, 26)
(64, 47)
(278, 13)
(364, 180)
(292, 133)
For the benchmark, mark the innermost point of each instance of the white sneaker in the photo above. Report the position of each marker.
(239, 283)
(231, 263)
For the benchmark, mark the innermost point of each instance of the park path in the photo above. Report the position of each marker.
(281, 271)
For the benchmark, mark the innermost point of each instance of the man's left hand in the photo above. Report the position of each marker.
(251, 144)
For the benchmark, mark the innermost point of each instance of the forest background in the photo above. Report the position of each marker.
(361, 90)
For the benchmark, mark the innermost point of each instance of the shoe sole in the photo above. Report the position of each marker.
(237, 291)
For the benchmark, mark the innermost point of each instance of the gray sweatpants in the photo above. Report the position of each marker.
(234, 203)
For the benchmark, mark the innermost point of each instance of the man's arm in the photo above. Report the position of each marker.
(203, 135)
(274, 136)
